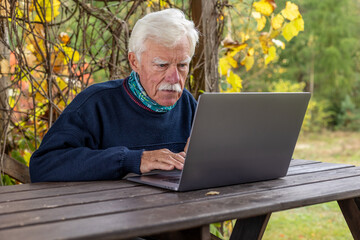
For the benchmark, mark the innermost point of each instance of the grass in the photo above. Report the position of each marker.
(323, 221)
(335, 147)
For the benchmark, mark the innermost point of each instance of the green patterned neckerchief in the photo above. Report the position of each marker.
(140, 93)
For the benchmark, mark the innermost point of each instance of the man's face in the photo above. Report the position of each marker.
(163, 70)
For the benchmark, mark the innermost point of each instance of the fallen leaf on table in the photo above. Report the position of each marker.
(211, 193)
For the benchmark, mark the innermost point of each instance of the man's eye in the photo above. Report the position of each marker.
(162, 65)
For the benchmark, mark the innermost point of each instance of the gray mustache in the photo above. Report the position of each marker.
(170, 87)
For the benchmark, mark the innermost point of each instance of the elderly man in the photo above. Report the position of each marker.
(133, 125)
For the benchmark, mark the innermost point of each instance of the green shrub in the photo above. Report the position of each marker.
(317, 116)
(348, 117)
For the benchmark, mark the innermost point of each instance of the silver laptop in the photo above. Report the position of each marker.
(237, 138)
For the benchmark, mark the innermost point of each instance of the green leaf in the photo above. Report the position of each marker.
(215, 231)
(6, 180)
(17, 156)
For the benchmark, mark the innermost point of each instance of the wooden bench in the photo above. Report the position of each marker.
(15, 169)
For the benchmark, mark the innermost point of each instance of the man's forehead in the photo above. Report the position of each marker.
(179, 51)
(159, 60)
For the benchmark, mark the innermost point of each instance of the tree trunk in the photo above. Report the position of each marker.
(205, 61)
(4, 80)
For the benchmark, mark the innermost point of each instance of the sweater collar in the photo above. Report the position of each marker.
(140, 93)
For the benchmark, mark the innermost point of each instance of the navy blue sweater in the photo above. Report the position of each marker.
(102, 134)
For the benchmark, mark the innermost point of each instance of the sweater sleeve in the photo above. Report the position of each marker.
(69, 152)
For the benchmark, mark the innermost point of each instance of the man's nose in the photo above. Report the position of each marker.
(173, 75)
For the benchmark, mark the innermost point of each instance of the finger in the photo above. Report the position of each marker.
(187, 144)
(156, 165)
(180, 157)
(183, 154)
(172, 159)
(162, 166)
(177, 164)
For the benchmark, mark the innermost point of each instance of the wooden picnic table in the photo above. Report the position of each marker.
(122, 209)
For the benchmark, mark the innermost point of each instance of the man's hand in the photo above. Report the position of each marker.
(162, 159)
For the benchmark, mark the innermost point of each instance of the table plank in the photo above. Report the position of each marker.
(295, 162)
(316, 167)
(71, 209)
(81, 198)
(190, 215)
(33, 186)
(65, 190)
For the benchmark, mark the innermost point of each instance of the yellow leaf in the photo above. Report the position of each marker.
(264, 7)
(274, 33)
(27, 156)
(271, 55)
(12, 102)
(231, 60)
(61, 83)
(291, 11)
(261, 22)
(248, 62)
(40, 85)
(35, 44)
(18, 13)
(13, 96)
(244, 37)
(73, 93)
(251, 51)
(70, 54)
(237, 49)
(224, 66)
(150, 4)
(163, 4)
(289, 31)
(30, 47)
(235, 81)
(265, 41)
(39, 97)
(61, 105)
(277, 21)
(47, 10)
(299, 24)
(293, 28)
(211, 193)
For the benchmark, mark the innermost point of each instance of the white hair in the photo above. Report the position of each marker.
(166, 27)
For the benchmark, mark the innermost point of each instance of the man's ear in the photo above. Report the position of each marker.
(134, 63)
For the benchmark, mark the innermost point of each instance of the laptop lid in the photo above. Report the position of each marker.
(238, 138)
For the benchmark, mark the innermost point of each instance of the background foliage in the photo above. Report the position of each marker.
(326, 58)
(56, 49)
